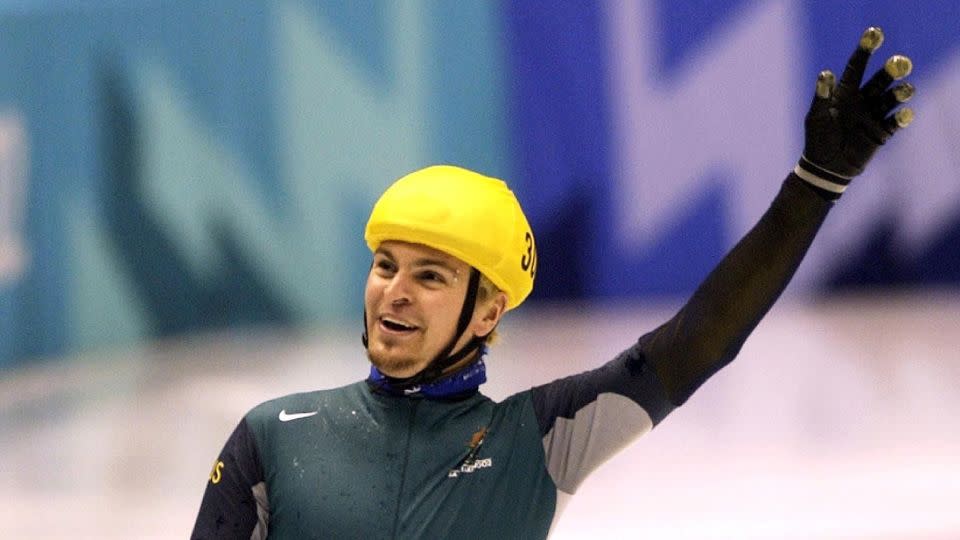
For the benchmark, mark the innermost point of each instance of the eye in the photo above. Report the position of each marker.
(431, 276)
(385, 266)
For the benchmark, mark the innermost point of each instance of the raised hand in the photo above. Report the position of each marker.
(846, 123)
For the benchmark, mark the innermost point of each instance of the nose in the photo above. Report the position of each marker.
(397, 291)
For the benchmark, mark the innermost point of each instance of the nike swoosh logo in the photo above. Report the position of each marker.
(285, 417)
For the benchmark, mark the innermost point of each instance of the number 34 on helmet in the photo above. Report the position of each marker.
(473, 217)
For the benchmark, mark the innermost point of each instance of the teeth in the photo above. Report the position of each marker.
(394, 322)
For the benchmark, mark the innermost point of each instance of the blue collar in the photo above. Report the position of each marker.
(462, 382)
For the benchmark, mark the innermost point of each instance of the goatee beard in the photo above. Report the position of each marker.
(394, 365)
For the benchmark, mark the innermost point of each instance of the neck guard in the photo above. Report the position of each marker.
(464, 381)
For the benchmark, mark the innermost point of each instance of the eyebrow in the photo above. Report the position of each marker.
(423, 261)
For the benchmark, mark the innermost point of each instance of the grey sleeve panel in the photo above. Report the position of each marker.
(629, 375)
(575, 447)
(585, 419)
(263, 512)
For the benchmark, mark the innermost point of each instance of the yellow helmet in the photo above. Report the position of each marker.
(473, 217)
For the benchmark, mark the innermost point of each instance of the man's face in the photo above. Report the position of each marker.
(413, 299)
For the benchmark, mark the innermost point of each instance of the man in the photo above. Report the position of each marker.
(415, 451)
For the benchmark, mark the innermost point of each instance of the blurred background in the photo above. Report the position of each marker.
(183, 189)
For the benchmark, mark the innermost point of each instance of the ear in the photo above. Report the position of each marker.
(487, 315)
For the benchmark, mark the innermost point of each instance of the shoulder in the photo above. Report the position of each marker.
(514, 404)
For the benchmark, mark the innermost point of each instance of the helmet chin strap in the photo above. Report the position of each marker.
(444, 359)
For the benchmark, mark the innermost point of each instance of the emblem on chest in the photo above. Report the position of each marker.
(471, 462)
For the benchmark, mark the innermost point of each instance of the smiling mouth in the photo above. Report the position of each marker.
(395, 326)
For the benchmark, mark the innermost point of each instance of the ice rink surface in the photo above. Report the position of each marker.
(839, 420)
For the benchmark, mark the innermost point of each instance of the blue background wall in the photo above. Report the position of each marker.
(169, 168)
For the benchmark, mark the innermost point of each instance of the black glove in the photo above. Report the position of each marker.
(847, 123)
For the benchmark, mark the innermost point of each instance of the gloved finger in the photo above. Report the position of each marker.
(852, 76)
(900, 93)
(898, 120)
(895, 68)
(826, 84)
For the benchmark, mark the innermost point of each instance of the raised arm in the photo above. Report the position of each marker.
(844, 127)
